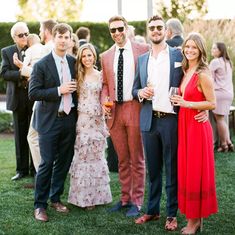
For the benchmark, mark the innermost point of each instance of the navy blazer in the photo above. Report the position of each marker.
(141, 77)
(43, 85)
(11, 74)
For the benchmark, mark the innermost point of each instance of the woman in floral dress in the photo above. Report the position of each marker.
(89, 174)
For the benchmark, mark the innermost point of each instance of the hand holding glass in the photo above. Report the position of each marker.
(173, 91)
(108, 104)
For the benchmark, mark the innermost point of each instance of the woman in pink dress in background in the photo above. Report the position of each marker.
(196, 177)
(221, 70)
(89, 174)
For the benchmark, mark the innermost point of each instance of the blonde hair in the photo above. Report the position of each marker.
(80, 71)
(32, 39)
(202, 59)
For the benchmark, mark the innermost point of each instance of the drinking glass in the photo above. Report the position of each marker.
(150, 85)
(109, 104)
(173, 91)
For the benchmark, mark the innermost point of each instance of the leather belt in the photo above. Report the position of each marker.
(63, 114)
(159, 114)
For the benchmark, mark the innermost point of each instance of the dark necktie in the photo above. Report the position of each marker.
(120, 77)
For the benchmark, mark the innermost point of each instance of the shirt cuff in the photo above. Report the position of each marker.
(58, 89)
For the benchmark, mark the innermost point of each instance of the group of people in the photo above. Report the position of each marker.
(145, 123)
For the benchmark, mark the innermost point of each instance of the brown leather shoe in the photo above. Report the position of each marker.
(59, 207)
(40, 214)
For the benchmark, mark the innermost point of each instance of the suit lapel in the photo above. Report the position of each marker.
(52, 67)
(172, 62)
(144, 65)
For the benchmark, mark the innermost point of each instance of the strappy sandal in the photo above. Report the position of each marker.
(171, 224)
(223, 148)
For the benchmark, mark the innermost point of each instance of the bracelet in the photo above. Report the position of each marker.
(190, 105)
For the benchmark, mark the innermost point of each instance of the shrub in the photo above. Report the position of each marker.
(6, 122)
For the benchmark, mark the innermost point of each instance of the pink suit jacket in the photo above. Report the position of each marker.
(107, 59)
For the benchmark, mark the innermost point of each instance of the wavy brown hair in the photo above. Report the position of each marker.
(202, 59)
(80, 71)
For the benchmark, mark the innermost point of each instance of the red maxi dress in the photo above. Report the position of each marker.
(196, 174)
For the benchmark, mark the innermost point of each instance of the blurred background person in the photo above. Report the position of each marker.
(17, 97)
(140, 39)
(74, 45)
(89, 174)
(221, 69)
(174, 34)
(131, 32)
(84, 36)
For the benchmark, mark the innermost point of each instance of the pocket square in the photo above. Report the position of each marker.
(178, 64)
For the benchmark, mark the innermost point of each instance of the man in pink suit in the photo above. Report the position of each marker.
(118, 69)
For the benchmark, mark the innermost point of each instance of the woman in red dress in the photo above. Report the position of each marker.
(196, 177)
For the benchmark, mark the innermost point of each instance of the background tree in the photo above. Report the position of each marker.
(61, 10)
(181, 9)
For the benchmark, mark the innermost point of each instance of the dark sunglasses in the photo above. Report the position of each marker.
(159, 28)
(113, 30)
(21, 35)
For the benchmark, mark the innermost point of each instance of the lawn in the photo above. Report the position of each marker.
(16, 206)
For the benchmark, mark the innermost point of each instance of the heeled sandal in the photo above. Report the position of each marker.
(230, 147)
(197, 228)
(223, 148)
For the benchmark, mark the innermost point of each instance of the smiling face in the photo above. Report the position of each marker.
(191, 51)
(87, 58)
(118, 32)
(156, 31)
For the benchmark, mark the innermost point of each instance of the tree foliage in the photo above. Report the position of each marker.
(61, 10)
(181, 9)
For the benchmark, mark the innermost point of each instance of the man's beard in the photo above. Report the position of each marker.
(156, 42)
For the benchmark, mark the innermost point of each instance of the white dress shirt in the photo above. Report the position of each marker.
(159, 77)
(128, 70)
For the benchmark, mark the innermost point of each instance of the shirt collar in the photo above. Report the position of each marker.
(58, 58)
(127, 46)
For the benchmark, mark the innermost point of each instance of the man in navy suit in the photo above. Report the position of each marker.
(17, 97)
(55, 119)
(157, 71)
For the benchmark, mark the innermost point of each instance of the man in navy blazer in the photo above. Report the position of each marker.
(17, 97)
(157, 71)
(52, 88)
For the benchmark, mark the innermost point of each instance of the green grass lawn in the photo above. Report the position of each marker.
(16, 206)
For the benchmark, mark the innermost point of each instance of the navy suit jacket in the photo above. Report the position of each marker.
(11, 74)
(43, 85)
(141, 78)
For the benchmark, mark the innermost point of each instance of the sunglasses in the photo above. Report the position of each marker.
(113, 30)
(152, 28)
(21, 35)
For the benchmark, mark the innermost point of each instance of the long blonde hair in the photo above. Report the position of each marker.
(202, 59)
(80, 71)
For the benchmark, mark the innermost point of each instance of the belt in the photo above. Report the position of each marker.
(63, 114)
(159, 114)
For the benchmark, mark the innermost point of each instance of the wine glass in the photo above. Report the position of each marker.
(173, 91)
(151, 86)
(108, 104)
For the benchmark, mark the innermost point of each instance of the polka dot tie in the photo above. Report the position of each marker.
(120, 77)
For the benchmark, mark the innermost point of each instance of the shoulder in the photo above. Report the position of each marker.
(70, 59)
(9, 48)
(140, 46)
(204, 75)
(108, 52)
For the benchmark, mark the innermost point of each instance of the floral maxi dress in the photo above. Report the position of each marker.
(89, 174)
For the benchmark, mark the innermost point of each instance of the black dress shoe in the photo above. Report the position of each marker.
(18, 176)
